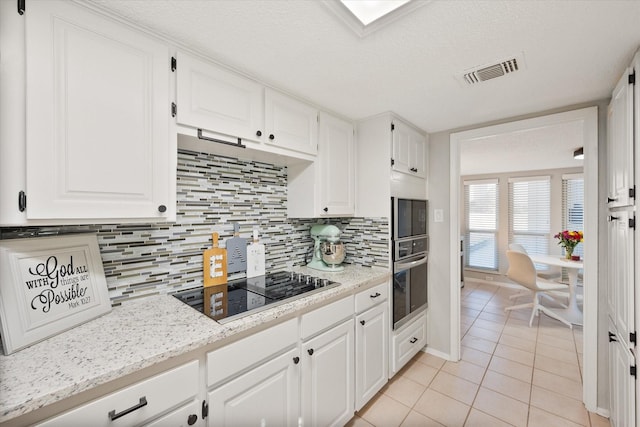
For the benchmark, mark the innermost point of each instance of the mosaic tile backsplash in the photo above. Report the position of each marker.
(213, 192)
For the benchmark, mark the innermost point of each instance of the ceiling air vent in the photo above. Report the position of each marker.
(488, 72)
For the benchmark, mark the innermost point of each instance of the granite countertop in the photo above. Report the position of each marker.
(135, 336)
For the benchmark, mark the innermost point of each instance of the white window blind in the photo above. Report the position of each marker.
(573, 206)
(530, 213)
(481, 214)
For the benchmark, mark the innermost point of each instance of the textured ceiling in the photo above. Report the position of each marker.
(574, 52)
(546, 147)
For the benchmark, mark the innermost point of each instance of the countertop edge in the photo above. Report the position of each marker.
(218, 333)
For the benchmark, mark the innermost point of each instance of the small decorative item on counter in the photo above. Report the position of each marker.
(569, 240)
(49, 285)
(236, 251)
(215, 264)
(255, 257)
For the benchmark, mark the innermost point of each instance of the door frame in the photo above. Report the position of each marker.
(588, 117)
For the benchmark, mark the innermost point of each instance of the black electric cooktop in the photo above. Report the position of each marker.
(241, 297)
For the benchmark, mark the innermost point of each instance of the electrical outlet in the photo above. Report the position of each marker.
(488, 278)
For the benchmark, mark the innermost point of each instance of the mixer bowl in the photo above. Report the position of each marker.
(332, 253)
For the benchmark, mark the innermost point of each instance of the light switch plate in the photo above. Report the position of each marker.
(438, 215)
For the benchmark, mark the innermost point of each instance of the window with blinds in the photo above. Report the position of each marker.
(530, 213)
(573, 206)
(481, 214)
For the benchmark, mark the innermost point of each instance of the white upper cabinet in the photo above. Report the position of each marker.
(215, 103)
(97, 118)
(214, 99)
(408, 150)
(391, 158)
(620, 152)
(326, 187)
(290, 124)
(336, 179)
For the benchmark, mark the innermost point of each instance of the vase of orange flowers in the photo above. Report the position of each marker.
(569, 240)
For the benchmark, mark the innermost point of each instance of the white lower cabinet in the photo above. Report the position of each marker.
(407, 342)
(255, 381)
(139, 403)
(372, 350)
(327, 377)
(186, 415)
(264, 396)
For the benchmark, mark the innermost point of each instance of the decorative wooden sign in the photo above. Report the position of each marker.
(215, 264)
(49, 285)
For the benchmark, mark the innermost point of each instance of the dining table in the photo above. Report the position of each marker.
(572, 313)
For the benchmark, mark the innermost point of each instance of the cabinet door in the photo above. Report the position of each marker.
(136, 404)
(416, 155)
(407, 342)
(290, 124)
(98, 113)
(622, 396)
(336, 179)
(401, 151)
(327, 377)
(214, 99)
(372, 349)
(187, 415)
(621, 297)
(408, 150)
(620, 150)
(267, 395)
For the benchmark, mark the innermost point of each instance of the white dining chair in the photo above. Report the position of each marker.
(523, 272)
(552, 273)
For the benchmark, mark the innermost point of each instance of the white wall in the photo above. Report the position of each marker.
(439, 323)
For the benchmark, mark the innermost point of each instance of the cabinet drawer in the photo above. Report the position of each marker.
(409, 341)
(370, 297)
(236, 357)
(325, 317)
(161, 393)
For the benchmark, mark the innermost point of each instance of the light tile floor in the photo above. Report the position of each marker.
(509, 375)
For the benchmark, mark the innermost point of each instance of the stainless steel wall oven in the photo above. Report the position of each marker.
(410, 258)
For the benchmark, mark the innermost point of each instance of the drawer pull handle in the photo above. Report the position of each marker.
(362, 322)
(413, 340)
(310, 351)
(193, 418)
(113, 416)
(296, 360)
(376, 295)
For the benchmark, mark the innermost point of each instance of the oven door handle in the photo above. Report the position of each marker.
(401, 266)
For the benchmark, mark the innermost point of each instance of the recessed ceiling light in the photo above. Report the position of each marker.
(368, 11)
(366, 16)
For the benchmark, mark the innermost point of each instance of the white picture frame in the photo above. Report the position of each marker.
(49, 285)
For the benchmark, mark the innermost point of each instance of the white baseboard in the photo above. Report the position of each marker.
(438, 353)
(602, 412)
